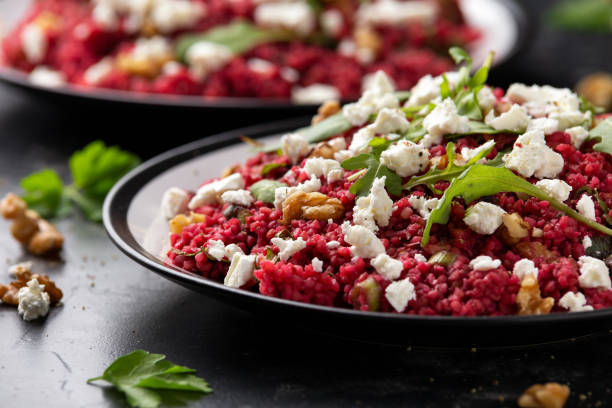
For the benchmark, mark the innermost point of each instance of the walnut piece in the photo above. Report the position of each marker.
(181, 221)
(148, 68)
(550, 395)
(40, 237)
(534, 249)
(311, 206)
(229, 170)
(597, 89)
(513, 228)
(9, 293)
(368, 38)
(529, 300)
(326, 110)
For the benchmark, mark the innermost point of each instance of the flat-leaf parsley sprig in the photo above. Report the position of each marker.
(94, 170)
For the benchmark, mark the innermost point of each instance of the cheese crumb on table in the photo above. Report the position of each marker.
(33, 301)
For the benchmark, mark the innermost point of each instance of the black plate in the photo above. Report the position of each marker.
(132, 220)
(503, 23)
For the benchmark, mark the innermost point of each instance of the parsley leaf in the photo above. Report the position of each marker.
(144, 377)
(43, 192)
(375, 169)
(480, 181)
(603, 132)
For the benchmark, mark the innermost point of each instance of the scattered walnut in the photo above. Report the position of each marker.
(597, 88)
(39, 236)
(513, 228)
(529, 300)
(229, 170)
(148, 68)
(368, 38)
(55, 293)
(311, 206)
(533, 250)
(8, 293)
(181, 221)
(326, 110)
(550, 395)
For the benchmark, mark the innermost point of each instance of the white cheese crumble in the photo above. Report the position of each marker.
(574, 302)
(151, 49)
(468, 154)
(21, 267)
(297, 17)
(375, 208)
(215, 248)
(484, 263)
(210, 193)
(387, 267)
(317, 264)
(556, 188)
(486, 98)
(420, 258)
(332, 22)
(288, 247)
(587, 242)
(204, 57)
(314, 94)
(444, 120)
(546, 125)
(33, 301)
(34, 43)
(281, 193)
(377, 96)
(240, 270)
(98, 71)
(423, 205)
(399, 293)
(484, 218)
(320, 167)
(530, 156)
(238, 197)
(295, 146)
(593, 273)
(578, 135)
(586, 207)
(516, 119)
(289, 74)
(333, 245)
(397, 13)
(390, 120)
(425, 91)
(172, 15)
(47, 77)
(232, 249)
(406, 158)
(361, 140)
(365, 244)
(525, 267)
(261, 66)
(174, 201)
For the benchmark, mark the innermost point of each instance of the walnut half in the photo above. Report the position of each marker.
(529, 300)
(550, 395)
(326, 110)
(9, 293)
(311, 206)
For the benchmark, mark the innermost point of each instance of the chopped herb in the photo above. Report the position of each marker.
(263, 190)
(603, 133)
(271, 166)
(587, 106)
(43, 192)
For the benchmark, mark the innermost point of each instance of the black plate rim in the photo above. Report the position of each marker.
(115, 222)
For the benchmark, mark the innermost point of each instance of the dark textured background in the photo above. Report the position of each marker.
(112, 306)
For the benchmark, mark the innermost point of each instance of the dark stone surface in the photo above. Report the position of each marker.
(112, 306)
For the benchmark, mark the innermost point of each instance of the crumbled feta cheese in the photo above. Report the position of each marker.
(399, 293)
(238, 197)
(297, 17)
(593, 273)
(98, 71)
(375, 208)
(104, 15)
(232, 249)
(397, 13)
(468, 154)
(546, 125)
(525, 267)
(342, 155)
(174, 201)
(574, 302)
(425, 91)
(516, 119)
(34, 43)
(365, 244)
(204, 57)
(337, 143)
(361, 140)
(587, 242)
(288, 247)
(531, 156)
(240, 270)
(294, 146)
(289, 74)
(420, 258)
(387, 267)
(33, 301)
(423, 205)
(332, 22)
(486, 98)
(314, 94)
(570, 119)
(211, 192)
(49, 78)
(484, 263)
(260, 66)
(317, 264)
(444, 120)
(281, 193)
(390, 120)
(586, 207)
(21, 267)
(154, 48)
(320, 167)
(171, 68)
(484, 218)
(379, 95)
(215, 248)
(428, 141)
(556, 188)
(172, 15)
(578, 134)
(333, 244)
(406, 158)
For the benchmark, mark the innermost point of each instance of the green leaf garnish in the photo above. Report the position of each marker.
(586, 105)
(263, 190)
(480, 181)
(592, 15)
(603, 132)
(43, 192)
(271, 166)
(144, 377)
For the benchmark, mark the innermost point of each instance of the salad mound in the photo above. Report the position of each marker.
(454, 198)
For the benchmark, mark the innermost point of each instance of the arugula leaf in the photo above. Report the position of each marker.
(459, 55)
(595, 15)
(375, 169)
(143, 377)
(586, 105)
(480, 181)
(603, 132)
(43, 192)
(263, 190)
(271, 166)
(238, 36)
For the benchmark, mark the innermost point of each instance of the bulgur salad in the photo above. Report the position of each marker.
(454, 198)
(307, 50)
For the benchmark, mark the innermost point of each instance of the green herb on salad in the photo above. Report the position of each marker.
(146, 379)
(263, 190)
(603, 133)
(587, 106)
(272, 166)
